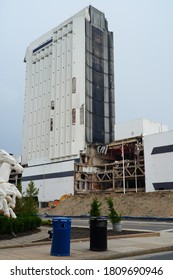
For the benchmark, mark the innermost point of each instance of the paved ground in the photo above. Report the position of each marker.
(24, 248)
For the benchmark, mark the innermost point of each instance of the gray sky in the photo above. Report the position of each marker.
(143, 42)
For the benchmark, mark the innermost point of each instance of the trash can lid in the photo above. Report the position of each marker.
(63, 219)
(99, 218)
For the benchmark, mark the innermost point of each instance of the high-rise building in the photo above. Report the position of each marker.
(69, 99)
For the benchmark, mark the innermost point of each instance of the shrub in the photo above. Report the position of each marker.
(46, 222)
(6, 225)
(95, 210)
(20, 224)
(113, 215)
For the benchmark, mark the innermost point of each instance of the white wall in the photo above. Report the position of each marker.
(62, 181)
(138, 127)
(52, 189)
(49, 74)
(158, 163)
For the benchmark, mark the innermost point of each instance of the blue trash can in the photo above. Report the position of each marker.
(61, 237)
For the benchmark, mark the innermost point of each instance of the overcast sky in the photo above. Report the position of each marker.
(143, 42)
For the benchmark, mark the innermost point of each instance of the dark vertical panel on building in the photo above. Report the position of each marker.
(88, 83)
(100, 106)
(97, 85)
(111, 85)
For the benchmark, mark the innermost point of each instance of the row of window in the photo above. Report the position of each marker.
(43, 45)
(73, 117)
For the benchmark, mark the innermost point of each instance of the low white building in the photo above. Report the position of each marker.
(138, 127)
(158, 151)
(155, 164)
(158, 155)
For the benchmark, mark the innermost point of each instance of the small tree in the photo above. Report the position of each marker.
(113, 215)
(95, 208)
(30, 200)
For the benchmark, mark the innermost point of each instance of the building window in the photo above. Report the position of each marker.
(82, 114)
(51, 124)
(73, 85)
(73, 116)
(52, 105)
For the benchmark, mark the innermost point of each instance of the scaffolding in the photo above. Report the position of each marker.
(118, 167)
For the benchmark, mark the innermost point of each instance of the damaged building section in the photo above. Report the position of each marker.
(117, 167)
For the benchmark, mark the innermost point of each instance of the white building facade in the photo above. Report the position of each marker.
(158, 151)
(158, 154)
(69, 100)
(138, 127)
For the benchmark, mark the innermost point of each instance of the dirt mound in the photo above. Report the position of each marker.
(158, 204)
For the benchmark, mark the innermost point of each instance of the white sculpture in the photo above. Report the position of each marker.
(8, 192)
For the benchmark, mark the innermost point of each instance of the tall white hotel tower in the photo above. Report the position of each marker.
(69, 100)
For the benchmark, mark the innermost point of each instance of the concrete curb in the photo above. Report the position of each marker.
(113, 256)
(40, 243)
(143, 218)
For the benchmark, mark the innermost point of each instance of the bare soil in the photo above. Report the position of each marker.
(76, 233)
(79, 233)
(153, 204)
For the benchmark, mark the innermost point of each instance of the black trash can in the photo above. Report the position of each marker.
(98, 234)
(61, 237)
